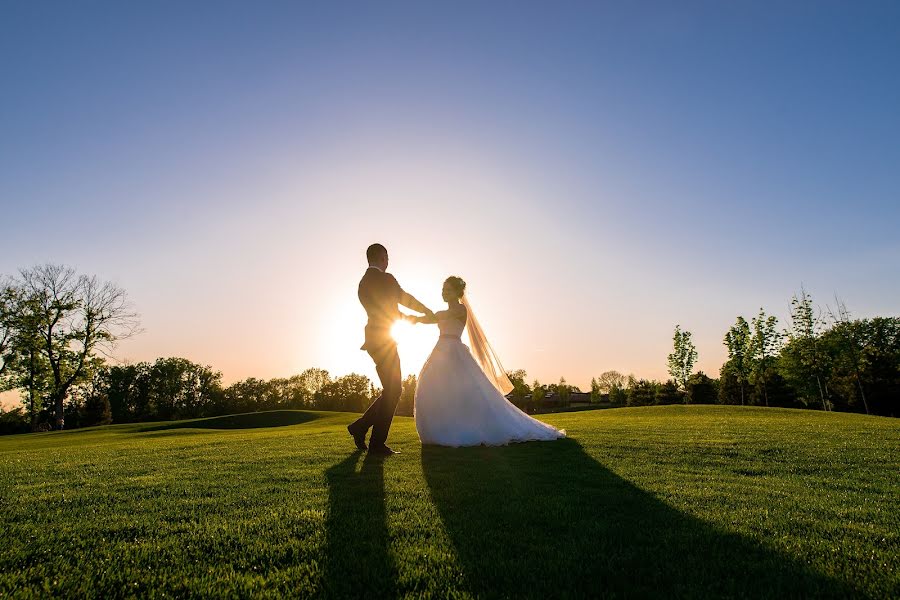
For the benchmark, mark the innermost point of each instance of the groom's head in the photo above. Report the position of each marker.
(377, 256)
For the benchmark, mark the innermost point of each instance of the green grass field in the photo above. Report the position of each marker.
(660, 501)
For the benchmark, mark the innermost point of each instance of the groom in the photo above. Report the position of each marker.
(380, 294)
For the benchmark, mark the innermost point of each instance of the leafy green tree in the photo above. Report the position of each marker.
(538, 392)
(294, 393)
(349, 393)
(765, 341)
(618, 395)
(407, 396)
(729, 388)
(521, 388)
(668, 393)
(8, 304)
(93, 402)
(641, 393)
(881, 357)
(125, 388)
(876, 364)
(596, 392)
(849, 342)
(563, 391)
(737, 340)
(702, 389)
(25, 367)
(683, 357)
(803, 362)
(13, 421)
(313, 381)
(248, 395)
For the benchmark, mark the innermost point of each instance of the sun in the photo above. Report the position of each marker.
(414, 344)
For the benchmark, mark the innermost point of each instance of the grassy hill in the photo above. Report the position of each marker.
(674, 501)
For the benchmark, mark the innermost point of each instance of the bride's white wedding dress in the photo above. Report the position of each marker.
(457, 405)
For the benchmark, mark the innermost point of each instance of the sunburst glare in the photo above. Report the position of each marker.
(414, 343)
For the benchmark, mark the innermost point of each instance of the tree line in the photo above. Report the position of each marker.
(822, 359)
(57, 329)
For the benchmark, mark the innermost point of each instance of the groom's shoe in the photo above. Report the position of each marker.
(382, 450)
(358, 438)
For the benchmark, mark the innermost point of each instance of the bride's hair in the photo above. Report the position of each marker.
(456, 284)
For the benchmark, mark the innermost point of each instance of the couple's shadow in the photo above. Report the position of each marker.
(547, 520)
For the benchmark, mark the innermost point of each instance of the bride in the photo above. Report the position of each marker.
(460, 397)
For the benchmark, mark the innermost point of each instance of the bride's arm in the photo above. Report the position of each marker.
(431, 319)
(441, 315)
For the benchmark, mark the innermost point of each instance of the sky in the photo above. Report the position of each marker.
(597, 172)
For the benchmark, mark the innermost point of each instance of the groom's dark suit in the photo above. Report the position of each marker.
(380, 294)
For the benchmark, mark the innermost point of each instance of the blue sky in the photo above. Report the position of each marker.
(598, 171)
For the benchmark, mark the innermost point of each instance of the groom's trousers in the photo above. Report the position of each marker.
(381, 412)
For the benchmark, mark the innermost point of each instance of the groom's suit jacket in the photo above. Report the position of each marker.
(379, 293)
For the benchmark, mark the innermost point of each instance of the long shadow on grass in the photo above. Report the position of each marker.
(546, 520)
(357, 561)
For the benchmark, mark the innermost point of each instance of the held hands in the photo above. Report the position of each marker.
(416, 319)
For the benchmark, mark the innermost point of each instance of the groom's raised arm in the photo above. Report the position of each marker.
(409, 302)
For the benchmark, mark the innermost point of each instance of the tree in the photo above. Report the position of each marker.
(94, 402)
(683, 357)
(618, 395)
(520, 386)
(668, 393)
(737, 340)
(881, 357)
(25, 367)
(13, 421)
(249, 395)
(406, 406)
(803, 360)
(877, 363)
(293, 393)
(348, 393)
(538, 392)
(642, 393)
(313, 381)
(605, 384)
(596, 393)
(765, 341)
(563, 391)
(79, 319)
(851, 343)
(125, 387)
(8, 302)
(703, 389)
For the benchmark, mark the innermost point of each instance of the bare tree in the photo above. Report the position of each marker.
(610, 379)
(78, 318)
